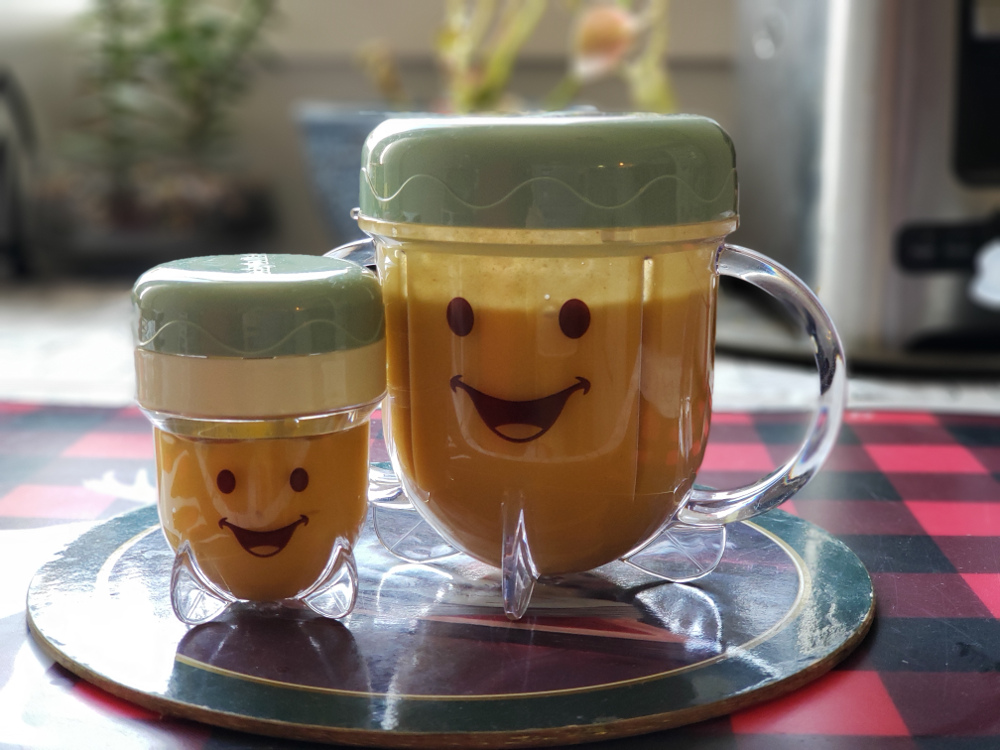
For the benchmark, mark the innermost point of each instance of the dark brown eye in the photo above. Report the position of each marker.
(299, 480)
(574, 318)
(226, 481)
(460, 317)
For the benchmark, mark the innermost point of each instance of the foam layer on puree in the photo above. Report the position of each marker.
(574, 389)
(262, 516)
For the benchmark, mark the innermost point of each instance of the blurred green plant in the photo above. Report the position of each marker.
(203, 56)
(161, 79)
(480, 41)
(115, 133)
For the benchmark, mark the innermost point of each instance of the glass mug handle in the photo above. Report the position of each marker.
(402, 531)
(691, 544)
(707, 507)
(384, 488)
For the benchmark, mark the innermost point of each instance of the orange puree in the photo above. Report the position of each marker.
(262, 516)
(590, 418)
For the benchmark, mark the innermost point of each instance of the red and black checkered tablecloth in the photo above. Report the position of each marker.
(915, 495)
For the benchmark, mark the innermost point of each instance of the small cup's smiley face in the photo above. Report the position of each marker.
(262, 516)
(263, 543)
(536, 414)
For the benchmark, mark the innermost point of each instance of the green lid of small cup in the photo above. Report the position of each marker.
(258, 337)
(549, 171)
(257, 306)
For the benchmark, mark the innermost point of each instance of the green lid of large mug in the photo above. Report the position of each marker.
(258, 336)
(549, 171)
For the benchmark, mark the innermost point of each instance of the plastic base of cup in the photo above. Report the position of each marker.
(678, 553)
(196, 600)
(681, 553)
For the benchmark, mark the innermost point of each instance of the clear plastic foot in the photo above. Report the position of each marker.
(406, 535)
(681, 552)
(518, 571)
(383, 485)
(192, 598)
(336, 592)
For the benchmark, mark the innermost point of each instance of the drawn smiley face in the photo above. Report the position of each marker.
(262, 516)
(263, 543)
(520, 421)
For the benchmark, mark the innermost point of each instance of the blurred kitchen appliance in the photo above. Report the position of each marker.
(868, 136)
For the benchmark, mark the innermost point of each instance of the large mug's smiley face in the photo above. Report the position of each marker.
(531, 418)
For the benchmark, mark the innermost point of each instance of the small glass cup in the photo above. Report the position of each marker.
(259, 374)
(550, 286)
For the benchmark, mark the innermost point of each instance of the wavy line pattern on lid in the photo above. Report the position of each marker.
(279, 348)
(416, 182)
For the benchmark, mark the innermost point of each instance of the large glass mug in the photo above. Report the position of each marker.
(550, 288)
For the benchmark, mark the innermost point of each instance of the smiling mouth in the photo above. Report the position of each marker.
(263, 543)
(539, 413)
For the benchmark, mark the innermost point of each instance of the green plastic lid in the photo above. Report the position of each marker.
(256, 306)
(549, 171)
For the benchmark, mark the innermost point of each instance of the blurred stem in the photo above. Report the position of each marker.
(462, 36)
(564, 93)
(517, 23)
(478, 71)
(647, 76)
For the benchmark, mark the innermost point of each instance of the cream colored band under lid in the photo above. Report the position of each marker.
(531, 237)
(235, 388)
